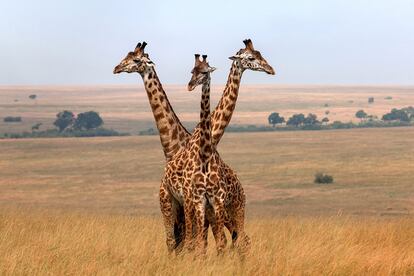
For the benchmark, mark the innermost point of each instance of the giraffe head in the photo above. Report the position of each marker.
(136, 61)
(201, 72)
(252, 59)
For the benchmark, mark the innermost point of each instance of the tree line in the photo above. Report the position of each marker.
(405, 115)
(86, 124)
(84, 121)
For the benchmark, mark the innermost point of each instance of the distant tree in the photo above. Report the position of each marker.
(64, 119)
(388, 98)
(311, 119)
(296, 120)
(325, 120)
(327, 112)
(36, 126)
(33, 96)
(397, 115)
(11, 119)
(88, 120)
(371, 100)
(326, 105)
(361, 114)
(275, 119)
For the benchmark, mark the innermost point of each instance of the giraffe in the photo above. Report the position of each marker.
(218, 217)
(202, 169)
(247, 58)
(201, 180)
(174, 136)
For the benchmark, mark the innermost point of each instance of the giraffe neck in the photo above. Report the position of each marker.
(221, 116)
(172, 133)
(205, 130)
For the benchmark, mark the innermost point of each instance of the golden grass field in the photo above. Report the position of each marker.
(90, 205)
(126, 108)
(50, 243)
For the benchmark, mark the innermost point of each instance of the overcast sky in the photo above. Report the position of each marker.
(323, 42)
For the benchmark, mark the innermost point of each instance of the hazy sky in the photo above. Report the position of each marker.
(79, 41)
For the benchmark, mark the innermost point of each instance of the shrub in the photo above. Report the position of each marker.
(361, 114)
(275, 119)
(410, 111)
(36, 126)
(64, 120)
(371, 100)
(51, 133)
(296, 120)
(341, 125)
(321, 178)
(33, 96)
(311, 119)
(88, 120)
(397, 115)
(11, 119)
(149, 131)
(97, 132)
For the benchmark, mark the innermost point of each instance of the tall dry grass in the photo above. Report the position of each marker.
(50, 243)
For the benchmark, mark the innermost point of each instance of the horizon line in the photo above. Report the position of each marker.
(222, 84)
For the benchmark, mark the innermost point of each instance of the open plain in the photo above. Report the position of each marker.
(126, 108)
(90, 205)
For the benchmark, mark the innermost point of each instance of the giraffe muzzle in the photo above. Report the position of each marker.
(117, 69)
(191, 86)
(269, 69)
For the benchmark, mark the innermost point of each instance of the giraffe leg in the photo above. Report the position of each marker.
(167, 213)
(219, 212)
(211, 220)
(227, 223)
(240, 239)
(188, 219)
(199, 202)
(178, 226)
(208, 220)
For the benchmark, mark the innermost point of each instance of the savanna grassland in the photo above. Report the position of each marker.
(90, 205)
(372, 170)
(126, 108)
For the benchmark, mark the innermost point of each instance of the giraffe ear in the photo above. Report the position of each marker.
(150, 63)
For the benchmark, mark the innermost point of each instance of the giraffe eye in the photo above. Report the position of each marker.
(137, 61)
(250, 58)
